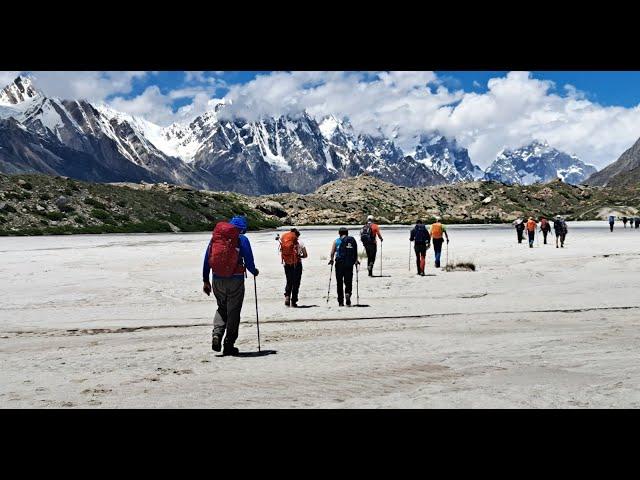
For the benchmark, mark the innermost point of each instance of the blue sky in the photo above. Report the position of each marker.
(605, 88)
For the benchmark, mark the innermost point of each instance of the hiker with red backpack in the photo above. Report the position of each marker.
(228, 256)
(292, 251)
(545, 228)
(368, 236)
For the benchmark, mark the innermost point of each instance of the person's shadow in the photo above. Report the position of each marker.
(262, 353)
(306, 306)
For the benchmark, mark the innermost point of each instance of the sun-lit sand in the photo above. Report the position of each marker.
(121, 321)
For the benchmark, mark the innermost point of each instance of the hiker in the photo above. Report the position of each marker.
(345, 251)
(624, 220)
(519, 224)
(228, 256)
(369, 237)
(531, 230)
(292, 251)
(421, 241)
(612, 220)
(560, 229)
(637, 222)
(436, 231)
(545, 228)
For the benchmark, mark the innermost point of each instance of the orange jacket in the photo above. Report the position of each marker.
(531, 225)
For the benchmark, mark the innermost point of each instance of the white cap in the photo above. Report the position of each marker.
(370, 217)
(438, 219)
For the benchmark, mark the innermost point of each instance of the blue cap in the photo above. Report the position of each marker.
(240, 223)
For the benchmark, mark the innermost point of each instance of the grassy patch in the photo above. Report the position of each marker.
(461, 266)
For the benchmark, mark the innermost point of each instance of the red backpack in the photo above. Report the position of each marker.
(225, 250)
(289, 248)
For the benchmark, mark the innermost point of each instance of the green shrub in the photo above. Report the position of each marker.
(45, 196)
(100, 214)
(121, 203)
(9, 208)
(56, 216)
(95, 203)
(27, 186)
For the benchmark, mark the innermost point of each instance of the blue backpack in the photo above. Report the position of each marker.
(421, 234)
(347, 252)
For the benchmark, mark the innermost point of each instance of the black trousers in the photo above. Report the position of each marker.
(344, 279)
(519, 232)
(372, 250)
(421, 251)
(294, 276)
(611, 226)
(544, 234)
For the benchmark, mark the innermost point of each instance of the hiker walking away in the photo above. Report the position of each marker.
(624, 220)
(612, 220)
(292, 251)
(560, 229)
(436, 232)
(345, 251)
(421, 242)
(519, 225)
(531, 230)
(228, 256)
(545, 228)
(368, 236)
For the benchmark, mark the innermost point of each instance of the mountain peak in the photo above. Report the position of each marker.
(18, 91)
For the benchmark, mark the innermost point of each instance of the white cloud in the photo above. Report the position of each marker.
(513, 111)
(93, 86)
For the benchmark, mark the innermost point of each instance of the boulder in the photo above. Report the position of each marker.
(62, 201)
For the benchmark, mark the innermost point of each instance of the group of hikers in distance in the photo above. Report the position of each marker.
(229, 256)
(559, 228)
(633, 221)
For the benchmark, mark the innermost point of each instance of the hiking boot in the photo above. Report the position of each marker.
(287, 300)
(340, 303)
(294, 304)
(216, 343)
(370, 269)
(230, 351)
(348, 299)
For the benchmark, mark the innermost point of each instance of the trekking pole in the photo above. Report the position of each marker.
(447, 253)
(255, 294)
(409, 254)
(329, 289)
(357, 286)
(380, 257)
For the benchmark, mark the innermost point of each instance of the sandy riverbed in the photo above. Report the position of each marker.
(120, 321)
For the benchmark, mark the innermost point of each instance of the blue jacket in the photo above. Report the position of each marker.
(245, 253)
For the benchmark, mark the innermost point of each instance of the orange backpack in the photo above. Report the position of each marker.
(436, 230)
(289, 248)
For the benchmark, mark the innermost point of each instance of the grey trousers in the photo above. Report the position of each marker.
(229, 293)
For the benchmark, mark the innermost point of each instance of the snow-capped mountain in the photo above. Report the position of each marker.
(114, 141)
(447, 158)
(277, 154)
(18, 91)
(537, 162)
